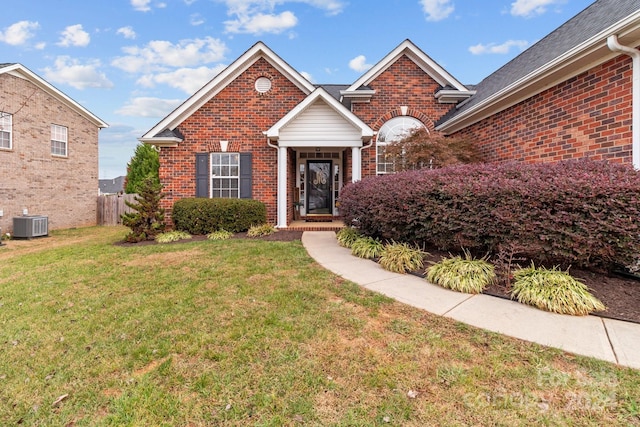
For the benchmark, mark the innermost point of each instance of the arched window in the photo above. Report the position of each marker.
(393, 130)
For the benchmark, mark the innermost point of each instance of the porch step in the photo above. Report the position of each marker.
(334, 225)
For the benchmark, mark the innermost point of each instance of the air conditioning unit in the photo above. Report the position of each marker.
(30, 226)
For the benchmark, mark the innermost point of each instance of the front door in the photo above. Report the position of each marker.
(319, 184)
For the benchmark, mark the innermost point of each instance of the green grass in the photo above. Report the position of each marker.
(255, 333)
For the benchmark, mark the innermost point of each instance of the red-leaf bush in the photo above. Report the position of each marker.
(581, 213)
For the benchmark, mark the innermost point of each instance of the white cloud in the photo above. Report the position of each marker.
(19, 33)
(262, 23)
(196, 19)
(259, 16)
(69, 71)
(437, 10)
(141, 5)
(529, 8)
(158, 53)
(74, 35)
(148, 107)
(359, 64)
(188, 80)
(307, 76)
(189, 2)
(504, 48)
(127, 32)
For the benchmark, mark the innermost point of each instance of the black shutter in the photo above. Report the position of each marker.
(245, 176)
(202, 175)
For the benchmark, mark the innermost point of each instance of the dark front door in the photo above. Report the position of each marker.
(319, 200)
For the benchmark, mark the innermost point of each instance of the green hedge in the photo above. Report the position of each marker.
(204, 216)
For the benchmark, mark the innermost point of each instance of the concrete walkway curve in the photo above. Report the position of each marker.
(606, 339)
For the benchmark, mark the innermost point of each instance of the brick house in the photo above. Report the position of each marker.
(261, 130)
(48, 152)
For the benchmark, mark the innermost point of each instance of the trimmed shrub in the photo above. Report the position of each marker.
(555, 291)
(204, 216)
(462, 274)
(581, 213)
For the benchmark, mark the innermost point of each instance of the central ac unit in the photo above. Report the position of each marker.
(30, 226)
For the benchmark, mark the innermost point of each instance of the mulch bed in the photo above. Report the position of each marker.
(620, 294)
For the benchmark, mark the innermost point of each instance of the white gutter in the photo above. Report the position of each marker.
(281, 192)
(615, 46)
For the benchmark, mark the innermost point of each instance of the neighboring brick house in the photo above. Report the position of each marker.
(48, 152)
(261, 130)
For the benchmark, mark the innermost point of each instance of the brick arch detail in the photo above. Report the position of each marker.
(411, 112)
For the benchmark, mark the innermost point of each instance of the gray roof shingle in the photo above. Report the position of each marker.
(596, 18)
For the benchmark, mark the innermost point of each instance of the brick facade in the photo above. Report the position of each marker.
(402, 84)
(238, 114)
(63, 188)
(588, 115)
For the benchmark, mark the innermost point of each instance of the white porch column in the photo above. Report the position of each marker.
(282, 188)
(356, 164)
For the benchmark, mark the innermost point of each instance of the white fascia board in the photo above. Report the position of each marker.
(581, 58)
(453, 96)
(161, 142)
(427, 64)
(19, 70)
(226, 76)
(274, 132)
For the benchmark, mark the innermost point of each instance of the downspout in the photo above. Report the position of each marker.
(615, 46)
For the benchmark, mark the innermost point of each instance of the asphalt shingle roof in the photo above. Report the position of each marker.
(596, 18)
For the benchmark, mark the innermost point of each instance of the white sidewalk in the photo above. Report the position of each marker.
(611, 340)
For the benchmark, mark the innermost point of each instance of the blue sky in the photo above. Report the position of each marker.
(131, 62)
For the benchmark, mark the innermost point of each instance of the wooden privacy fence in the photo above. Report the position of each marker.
(112, 206)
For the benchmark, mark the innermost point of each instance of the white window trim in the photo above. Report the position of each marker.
(55, 138)
(9, 128)
(387, 128)
(212, 176)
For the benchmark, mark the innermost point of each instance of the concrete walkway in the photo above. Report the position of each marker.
(606, 339)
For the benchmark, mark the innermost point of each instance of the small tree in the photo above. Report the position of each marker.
(423, 149)
(147, 220)
(144, 163)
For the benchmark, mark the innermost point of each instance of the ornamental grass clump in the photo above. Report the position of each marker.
(459, 274)
(401, 258)
(347, 236)
(172, 236)
(220, 235)
(553, 290)
(261, 230)
(367, 247)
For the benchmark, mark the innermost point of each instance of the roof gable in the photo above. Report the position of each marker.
(218, 83)
(20, 71)
(364, 132)
(428, 65)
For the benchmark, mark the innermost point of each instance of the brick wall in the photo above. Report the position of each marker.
(402, 84)
(64, 189)
(238, 114)
(586, 116)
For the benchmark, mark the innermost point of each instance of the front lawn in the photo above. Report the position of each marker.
(249, 332)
